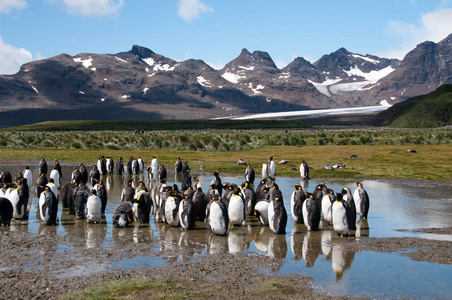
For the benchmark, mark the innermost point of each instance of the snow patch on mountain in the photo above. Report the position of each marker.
(231, 77)
(373, 76)
(323, 87)
(202, 81)
(374, 61)
(85, 62)
(120, 59)
(158, 66)
(256, 89)
(247, 68)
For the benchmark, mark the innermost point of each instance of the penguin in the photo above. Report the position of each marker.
(166, 190)
(24, 194)
(185, 167)
(101, 192)
(260, 187)
(80, 199)
(119, 166)
(42, 167)
(339, 215)
(66, 193)
(311, 213)
(236, 208)
(40, 184)
(19, 208)
(172, 208)
(271, 167)
(304, 170)
(186, 180)
(264, 171)
(195, 183)
(187, 213)
(58, 168)
(127, 192)
(162, 174)
(361, 201)
(249, 196)
(351, 213)
(129, 165)
(101, 166)
(249, 174)
(110, 165)
(217, 216)
(178, 166)
(6, 212)
(318, 192)
(123, 215)
(190, 191)
(228, 192)
(94, 175)
(48, 207)
(84, 173)
(157, 193)
(140, 165)
(216, 181)
(55, 175)
(200, 202)
(326, 205)
(296, 204)
(93, 209)
(135, 167)
(212, 191)
(29, 175)
(143, 206)
(76, 176)
(5, 177)
(154, 168)
(261, 210)
(277, 215)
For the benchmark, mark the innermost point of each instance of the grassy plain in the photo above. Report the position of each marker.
(430, 162)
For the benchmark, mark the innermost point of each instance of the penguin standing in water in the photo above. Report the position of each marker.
(296, 204)
(40, 184)
(24, 194)
(178, 166)
(143, 206)
(128, 192)
(19, 208)
(304, 170)
(339, 213)
(76, 176)
(84, 173)
(101, 192)
(48, 207)
(119, 166)
(80, 199)
(55, 175)
(261, 208)
(6, 212)
(29, 175)
(42, 167)
(172, 207)
(327, 204)
(264, 172)
(249, 174)
(135, 167)
(162, 174)
(140, 165)
(216, 182)
(271, 167)
(250, 198)
(129, 165)
(186, 180)
(54, 188)
(200, 203)
(277, 215)
(123, 215)
(58, 168)
(185, 167)
(236, 208)
(94, 175)
(311, 213)
(318, 192)
(187, 213)
(153, 169)
(351, 213)
(110, 165)
(93, 208)
(101, 166)
(217, 216)
(361, 201)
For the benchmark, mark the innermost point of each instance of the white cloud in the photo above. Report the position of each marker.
(11, 58)
(7, 5)
(93, 7)
(192, 9)
(433, 26)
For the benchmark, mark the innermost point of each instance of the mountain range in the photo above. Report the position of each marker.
(142, 85)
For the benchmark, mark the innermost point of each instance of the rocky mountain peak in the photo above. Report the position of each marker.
(142, 52)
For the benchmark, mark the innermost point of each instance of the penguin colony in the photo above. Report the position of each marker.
(221, 207)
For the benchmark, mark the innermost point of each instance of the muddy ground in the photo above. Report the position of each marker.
(30, 268)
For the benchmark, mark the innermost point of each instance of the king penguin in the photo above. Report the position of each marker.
(217, 216)
(236, 208)
(29, 175)
(277, 215)
(42, 167)
(339, 214)
(361, 201)
(304, 170)
(187, 213)
(93, 208)
(123, 215)
(55, 175)
(200, 202)
(296, 204)
(311, 213)
(172, 208)
(351, 213)
(48, 207)
(249, 174)
(327, 204)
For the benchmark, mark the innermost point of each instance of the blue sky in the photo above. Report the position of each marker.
(217, 30)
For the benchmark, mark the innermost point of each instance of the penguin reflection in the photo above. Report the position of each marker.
(217, 244)
(236, 240)
(296, 241)
(362, 228)
(95, 235)
(310, 250)
(277, 246)
(341, 260)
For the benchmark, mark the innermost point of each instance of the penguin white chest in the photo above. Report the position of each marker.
(217, 219)
(339, 215)
(262, 208)
(236, 210)
(271, 215)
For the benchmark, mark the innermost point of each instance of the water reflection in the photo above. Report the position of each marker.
(308, 250)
